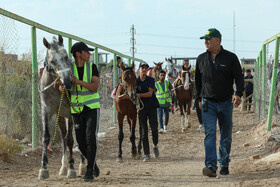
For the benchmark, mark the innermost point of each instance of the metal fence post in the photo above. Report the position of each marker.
(34, 89)
(273, 85)
(96, 57)
(264, 79)
(69, 47)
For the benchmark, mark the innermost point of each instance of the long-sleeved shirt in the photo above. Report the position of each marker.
(214, 78)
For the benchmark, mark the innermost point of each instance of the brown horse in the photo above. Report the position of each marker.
(125, 102)
(154, 72)
(183, 92)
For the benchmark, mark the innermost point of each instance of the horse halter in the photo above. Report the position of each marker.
(123, 83)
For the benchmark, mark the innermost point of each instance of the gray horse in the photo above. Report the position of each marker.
(58, 68)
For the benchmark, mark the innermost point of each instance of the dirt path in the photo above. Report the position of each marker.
(180, 162)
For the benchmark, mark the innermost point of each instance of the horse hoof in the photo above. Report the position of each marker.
(119, 160)
(71, 174)
(134, 155)
(183, 130)
(82, 169)
(188, 125)
(43, 174)
(63, 171)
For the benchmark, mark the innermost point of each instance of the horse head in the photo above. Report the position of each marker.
(57, 58)
(158, 66)
(185, 77)
(169, 66)
(128, 81)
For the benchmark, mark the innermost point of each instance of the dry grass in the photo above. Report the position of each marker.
(9, 147)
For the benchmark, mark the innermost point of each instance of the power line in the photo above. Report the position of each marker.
(192, 38)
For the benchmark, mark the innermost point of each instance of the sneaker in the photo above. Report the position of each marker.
(165, 128)
(224, 171)
(161, 130)
(88, 176)
(156, 152)
(200, 127)
(147, 158)
(96, 171)
(210, 172)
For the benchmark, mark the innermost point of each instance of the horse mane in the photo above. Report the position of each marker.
(128, 68)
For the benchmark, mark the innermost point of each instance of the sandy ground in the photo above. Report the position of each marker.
(180, 162)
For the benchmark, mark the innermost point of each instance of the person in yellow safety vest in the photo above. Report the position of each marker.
(86, 106)
(162, 89)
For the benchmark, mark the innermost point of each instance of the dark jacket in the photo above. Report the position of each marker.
(249, 86)
(214, 78)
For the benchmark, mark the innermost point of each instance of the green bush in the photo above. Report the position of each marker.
(9, 147)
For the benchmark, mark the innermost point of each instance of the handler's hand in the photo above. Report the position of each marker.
(236, 100)
(58, 82)
(75, 80)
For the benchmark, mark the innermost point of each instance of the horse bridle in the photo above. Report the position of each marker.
(122, 83)
(180, 79)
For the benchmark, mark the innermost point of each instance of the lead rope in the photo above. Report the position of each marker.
(64, 92)
(57, 117)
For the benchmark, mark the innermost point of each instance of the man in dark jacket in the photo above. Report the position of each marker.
(215, 72)
(249, 86)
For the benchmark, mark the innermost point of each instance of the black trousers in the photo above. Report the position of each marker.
(151, 114)
(86, 128)
(198, 111)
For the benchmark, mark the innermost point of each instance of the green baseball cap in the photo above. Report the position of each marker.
(212, 33)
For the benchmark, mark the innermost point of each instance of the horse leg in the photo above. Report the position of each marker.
(132, 124)
(44, 172)
(82, 166)
(121, 136)
(182, 112)
(188, 124)
(71, 173)
(63, 169)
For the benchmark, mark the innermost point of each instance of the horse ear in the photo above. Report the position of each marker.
(155, 63)
(132, 66)
(122, 66)
(165, 59)
(60, 40)
(46, 43)
(160, 63)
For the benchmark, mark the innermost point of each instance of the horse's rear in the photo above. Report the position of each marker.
(50, 97)
(125, 102)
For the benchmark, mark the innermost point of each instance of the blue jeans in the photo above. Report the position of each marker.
(160, 111)
(221, 111)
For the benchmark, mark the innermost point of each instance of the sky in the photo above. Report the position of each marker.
(164, 28)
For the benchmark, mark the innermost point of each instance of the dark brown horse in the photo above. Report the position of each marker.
(154, 72)
(125, 102)
(183, 91)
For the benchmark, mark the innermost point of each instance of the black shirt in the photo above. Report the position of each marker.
(81, 71)
(143, 87)
(214, 78)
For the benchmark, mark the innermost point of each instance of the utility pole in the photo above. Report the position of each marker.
(133, 41)
(233, 31)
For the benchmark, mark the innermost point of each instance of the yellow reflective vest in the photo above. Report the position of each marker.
(83, 95)
(163, 96)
